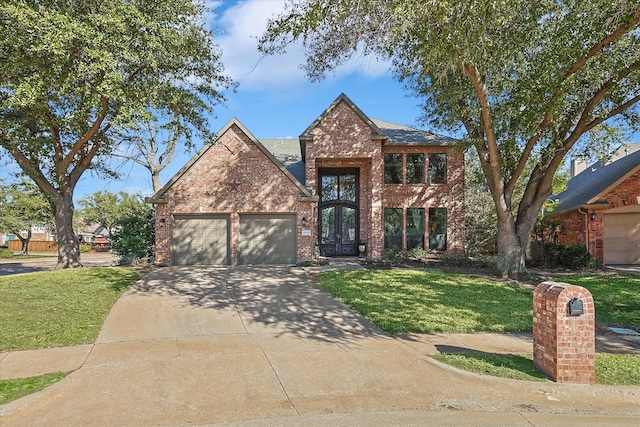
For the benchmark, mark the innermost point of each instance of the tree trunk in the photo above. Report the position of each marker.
(25, 241)
(155, 180)
(68, 248)
(511, 251)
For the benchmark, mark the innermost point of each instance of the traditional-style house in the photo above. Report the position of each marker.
(348, 183)
(601, 208)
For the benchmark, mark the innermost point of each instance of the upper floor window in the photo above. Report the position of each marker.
(339, 187)
(413, 173)
(415, 168)
(438, 168)
(393, 168)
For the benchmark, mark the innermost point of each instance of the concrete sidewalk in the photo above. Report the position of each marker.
(263, 346)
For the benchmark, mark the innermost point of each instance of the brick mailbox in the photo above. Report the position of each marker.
(564, 332)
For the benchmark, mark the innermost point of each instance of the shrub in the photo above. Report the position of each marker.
(572, 257)
(134, 240)
(85, 248)
(5, 252)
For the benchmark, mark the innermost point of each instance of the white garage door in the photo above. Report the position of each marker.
(267, 239)
(621, 239)
(200, 240)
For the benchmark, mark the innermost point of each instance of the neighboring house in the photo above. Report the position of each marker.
(38, 233)
(601, 209)
(348, 180)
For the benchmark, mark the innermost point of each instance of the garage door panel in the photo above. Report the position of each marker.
(621, 238)
(200, 241)
(267, 239)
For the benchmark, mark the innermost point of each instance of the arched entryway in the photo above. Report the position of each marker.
(338, 213)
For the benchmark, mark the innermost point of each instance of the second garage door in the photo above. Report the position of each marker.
(622, 235)
(200, 240)
(267, 239)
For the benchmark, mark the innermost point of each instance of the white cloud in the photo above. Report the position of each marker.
(243, 24)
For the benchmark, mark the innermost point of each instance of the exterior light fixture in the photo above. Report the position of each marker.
(593, 215)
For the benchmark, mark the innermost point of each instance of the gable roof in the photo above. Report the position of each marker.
(287, 152)
(591, 185)
(400, 134)
(376, 133)
(160, 197)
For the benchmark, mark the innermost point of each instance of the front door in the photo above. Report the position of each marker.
(338, 212)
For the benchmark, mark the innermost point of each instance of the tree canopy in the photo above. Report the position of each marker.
(107, 209)
(74, 74)
(525, 82)
(23, 208)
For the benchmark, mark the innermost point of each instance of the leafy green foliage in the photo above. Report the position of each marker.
(54, 308)
(6, 253)
(22, 207)
(135, 236)
(429, 301)
(108, 209)
(526, 82)
(16, 388)
(75, 75)
(572, 257)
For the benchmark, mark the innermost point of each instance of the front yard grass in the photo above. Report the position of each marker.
(56, 308)
(16, 388)
(616, 297)
(433, 301)
(430, 301)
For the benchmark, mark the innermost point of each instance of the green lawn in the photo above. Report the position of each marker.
(616, 297)
(613, 369)
(429, 301)
(57, 308)
(20, 387)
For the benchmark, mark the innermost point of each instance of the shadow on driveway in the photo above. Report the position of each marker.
(274, 300)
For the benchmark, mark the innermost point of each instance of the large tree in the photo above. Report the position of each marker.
(74, 74)
(22, 208)
(152, 143)
(107, 209)
(524, 81)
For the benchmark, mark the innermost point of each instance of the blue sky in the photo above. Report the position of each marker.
(274, 98)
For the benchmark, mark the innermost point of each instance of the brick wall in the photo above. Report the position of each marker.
(563, 345)
(449, 195)
(342, 139)
(575, 225)
(233, 176)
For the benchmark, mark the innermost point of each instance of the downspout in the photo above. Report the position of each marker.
(586, 227)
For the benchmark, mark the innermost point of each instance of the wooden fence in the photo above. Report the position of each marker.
(34, 246)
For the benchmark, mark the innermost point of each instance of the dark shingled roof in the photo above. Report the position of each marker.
(400, 134)
(287, 152)
(596, 180)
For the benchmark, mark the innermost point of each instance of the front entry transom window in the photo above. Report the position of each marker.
(338, 212)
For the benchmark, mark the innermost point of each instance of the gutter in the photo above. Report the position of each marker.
(586, 226)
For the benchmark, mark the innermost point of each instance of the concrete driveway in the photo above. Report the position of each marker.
(264, 346)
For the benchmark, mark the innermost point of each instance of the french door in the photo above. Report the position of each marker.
(338, 212)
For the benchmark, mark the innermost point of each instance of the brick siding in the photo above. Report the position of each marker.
(231, 177)
(576, 225)
(563, 345)
(234, 176)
